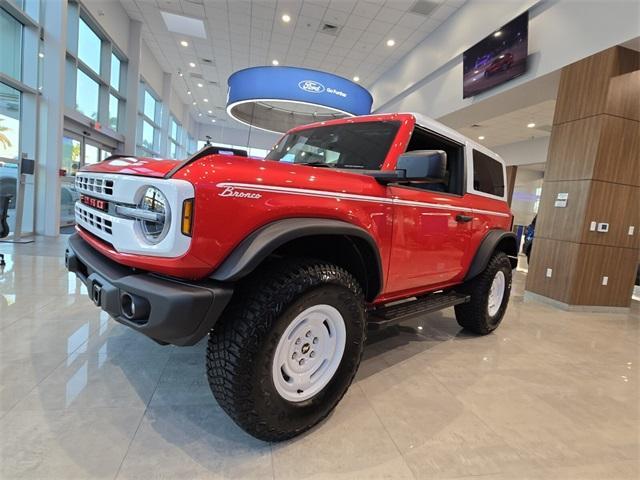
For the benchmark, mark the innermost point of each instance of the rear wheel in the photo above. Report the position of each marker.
(287, 348)
(490, 293)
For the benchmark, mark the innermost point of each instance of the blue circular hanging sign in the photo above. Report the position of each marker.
(279, 98)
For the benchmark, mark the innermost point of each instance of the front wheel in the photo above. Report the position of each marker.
(490, 293)
(287, 348)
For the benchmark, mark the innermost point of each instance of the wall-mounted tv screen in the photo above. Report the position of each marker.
(496, 59)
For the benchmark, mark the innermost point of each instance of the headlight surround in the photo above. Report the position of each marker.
(154, 230)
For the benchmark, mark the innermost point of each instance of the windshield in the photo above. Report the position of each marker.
(362, 145)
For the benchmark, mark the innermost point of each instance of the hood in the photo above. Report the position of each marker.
(141, 166)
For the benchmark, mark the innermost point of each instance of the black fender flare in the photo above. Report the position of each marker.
(502, 240)
(257, 246)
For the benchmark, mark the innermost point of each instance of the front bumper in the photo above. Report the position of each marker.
(167, 310)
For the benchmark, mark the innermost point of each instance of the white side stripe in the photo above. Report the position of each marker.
(351, 196)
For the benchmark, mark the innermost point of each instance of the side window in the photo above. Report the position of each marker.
(422, 139)
(487, 174)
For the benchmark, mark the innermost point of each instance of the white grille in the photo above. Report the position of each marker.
(94, 220)
(94, 184)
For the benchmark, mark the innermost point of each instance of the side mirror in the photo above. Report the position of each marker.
(423, 165)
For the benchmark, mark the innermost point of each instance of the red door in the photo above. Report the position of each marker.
(430, 239)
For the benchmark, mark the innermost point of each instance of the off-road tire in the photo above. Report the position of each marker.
(474, 315)
(242, 345)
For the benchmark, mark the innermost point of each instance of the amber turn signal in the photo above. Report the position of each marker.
(187, 216)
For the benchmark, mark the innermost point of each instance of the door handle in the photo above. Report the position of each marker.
(463, 218)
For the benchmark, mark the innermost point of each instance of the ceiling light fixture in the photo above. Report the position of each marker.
(179, 73)
(391, 42)
(531, 125)
(286, 18)
(275, 62)
(41, 55)
(481, 137)
(209, 112)
(194, 103)
(213, 120)
(356, 78)
(498, 33)
(192, 64)
(184, 43)
(200, 85)
(205, 100)
(188, 92)
(199, 114)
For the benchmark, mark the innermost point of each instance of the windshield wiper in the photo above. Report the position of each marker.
(315, 164)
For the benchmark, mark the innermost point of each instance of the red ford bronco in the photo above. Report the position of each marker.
(285, 262)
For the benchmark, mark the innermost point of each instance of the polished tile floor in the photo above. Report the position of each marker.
(550, 395)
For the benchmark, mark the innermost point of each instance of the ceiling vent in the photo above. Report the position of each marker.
(424, 7)
(208, 61)
(330, 29)
(212, 83)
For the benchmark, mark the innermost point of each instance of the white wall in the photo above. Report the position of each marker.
(429, 79)
(526, 152)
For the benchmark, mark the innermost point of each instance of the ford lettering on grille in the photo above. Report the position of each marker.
(94, 202)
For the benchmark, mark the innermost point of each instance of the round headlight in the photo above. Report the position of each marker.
(155, 224)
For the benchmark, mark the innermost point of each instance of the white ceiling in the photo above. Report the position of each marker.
(512, 127)
(244, 33)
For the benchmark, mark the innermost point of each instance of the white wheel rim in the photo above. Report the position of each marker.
(309, 353)
(496, 293)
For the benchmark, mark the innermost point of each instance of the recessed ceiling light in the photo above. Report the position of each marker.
(179, 73)
(498, 33)
(192, 64)
(200, 85)
(194, 103)
(391, 42)
(213, 120)
(188, 92)
(286, 18)
(205, 100)
(199, 114)
(184, 43)
(209, 112)
(356, 78)
(41, 55)
(275, 62)
(481, 137)
(531, 125)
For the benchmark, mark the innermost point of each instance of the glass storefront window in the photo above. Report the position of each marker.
(70, 156)
(115, 72)
(147, 135)
(87, 95)
(11, 46)
(9, 122)
(105, 154)
(89, 46)
(91, 154)
(150, 106)
(113, 112)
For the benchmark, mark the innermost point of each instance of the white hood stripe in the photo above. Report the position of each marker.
(351, 196)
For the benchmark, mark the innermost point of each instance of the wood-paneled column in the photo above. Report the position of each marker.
(593, 161)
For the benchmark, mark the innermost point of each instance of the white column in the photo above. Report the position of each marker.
(132, 92)
(166, 113)
(51, 120)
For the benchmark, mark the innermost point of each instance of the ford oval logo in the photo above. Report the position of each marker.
(311, 86)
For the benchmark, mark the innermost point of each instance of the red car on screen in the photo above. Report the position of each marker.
(500, 64)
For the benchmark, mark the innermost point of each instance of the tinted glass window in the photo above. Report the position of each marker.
(113, 112)
(147, 135)
(89, 46)
(10, 45)
(487, 174)
(362, 146)
(115, 72)
(149, 106)
(87, 95)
